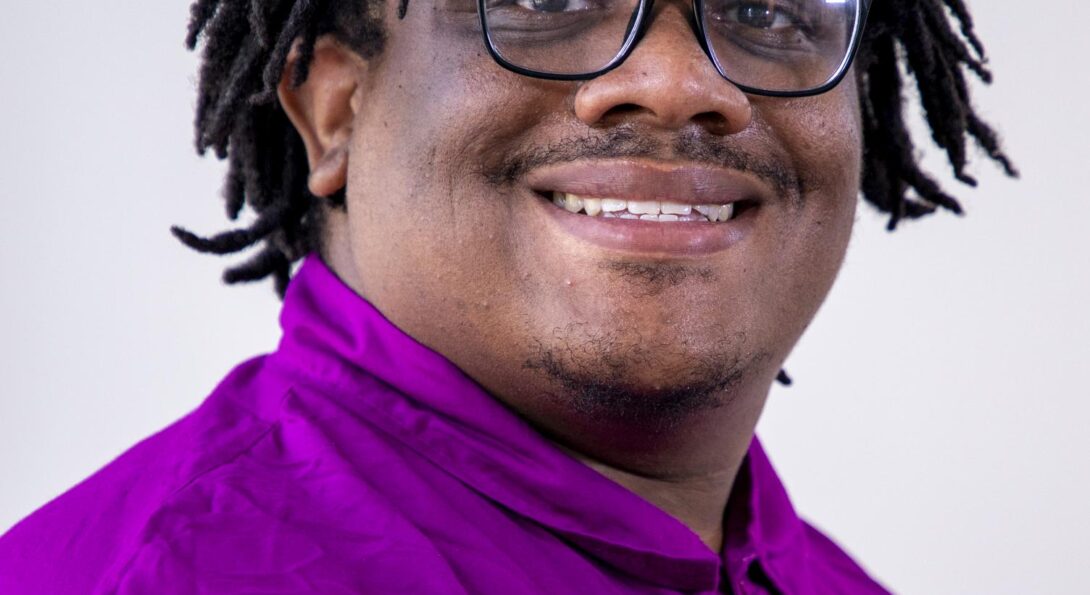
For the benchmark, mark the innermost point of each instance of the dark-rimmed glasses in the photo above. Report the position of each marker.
(785, 48)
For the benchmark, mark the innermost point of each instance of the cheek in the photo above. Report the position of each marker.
(442, 104)
(439, 114)
(429, 235)
(822, 138)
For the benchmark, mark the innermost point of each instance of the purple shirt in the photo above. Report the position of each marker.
(355, 460)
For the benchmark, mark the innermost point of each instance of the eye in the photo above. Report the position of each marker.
(553, 5)
(760, 16)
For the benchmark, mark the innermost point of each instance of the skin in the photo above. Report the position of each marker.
(593, 346)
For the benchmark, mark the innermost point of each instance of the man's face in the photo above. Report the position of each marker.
(452, 235)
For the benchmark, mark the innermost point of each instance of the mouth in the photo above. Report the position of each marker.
(644, 210)
(650, 208)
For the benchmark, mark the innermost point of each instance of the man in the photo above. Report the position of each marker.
(555, 253)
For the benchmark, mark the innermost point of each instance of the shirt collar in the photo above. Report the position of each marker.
(762, 527)
(336, 340)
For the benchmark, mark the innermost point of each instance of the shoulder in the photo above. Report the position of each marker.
(242, 530)
(832, 567)
(286, 515)
(241, 495)
(87, 530)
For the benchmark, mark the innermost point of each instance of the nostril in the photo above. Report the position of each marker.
(714, 122)
(622, 111)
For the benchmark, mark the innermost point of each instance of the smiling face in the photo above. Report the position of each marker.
(461, 182)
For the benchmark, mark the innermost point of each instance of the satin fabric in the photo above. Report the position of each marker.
(355, 460)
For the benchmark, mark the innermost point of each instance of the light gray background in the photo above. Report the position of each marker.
(938, 428)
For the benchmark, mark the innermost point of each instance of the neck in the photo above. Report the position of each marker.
(688, 473)
(697, 501)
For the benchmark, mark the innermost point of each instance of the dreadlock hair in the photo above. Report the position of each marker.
(918, 33)
(246, 48)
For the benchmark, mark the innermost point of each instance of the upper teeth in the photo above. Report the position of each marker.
(650, 210)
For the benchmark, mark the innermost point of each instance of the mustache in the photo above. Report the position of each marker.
(622, 142)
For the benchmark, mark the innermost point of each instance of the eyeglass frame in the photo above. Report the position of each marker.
(639, 29)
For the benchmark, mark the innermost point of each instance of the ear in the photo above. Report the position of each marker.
(323, 110)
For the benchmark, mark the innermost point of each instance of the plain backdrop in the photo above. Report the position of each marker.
(939, 424)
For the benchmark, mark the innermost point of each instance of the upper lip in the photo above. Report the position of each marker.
(646, 181)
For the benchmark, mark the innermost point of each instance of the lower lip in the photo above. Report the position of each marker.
(651, 237)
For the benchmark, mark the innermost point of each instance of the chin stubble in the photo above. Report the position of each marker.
(596, 377)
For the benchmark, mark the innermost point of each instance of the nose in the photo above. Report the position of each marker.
(668, 82)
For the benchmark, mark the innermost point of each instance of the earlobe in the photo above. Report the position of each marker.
(323, 110)
(330, 173)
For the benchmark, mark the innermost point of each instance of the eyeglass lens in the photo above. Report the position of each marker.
(773, 45)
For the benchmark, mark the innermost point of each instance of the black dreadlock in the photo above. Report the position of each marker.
(918, 34)
(246, 47)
